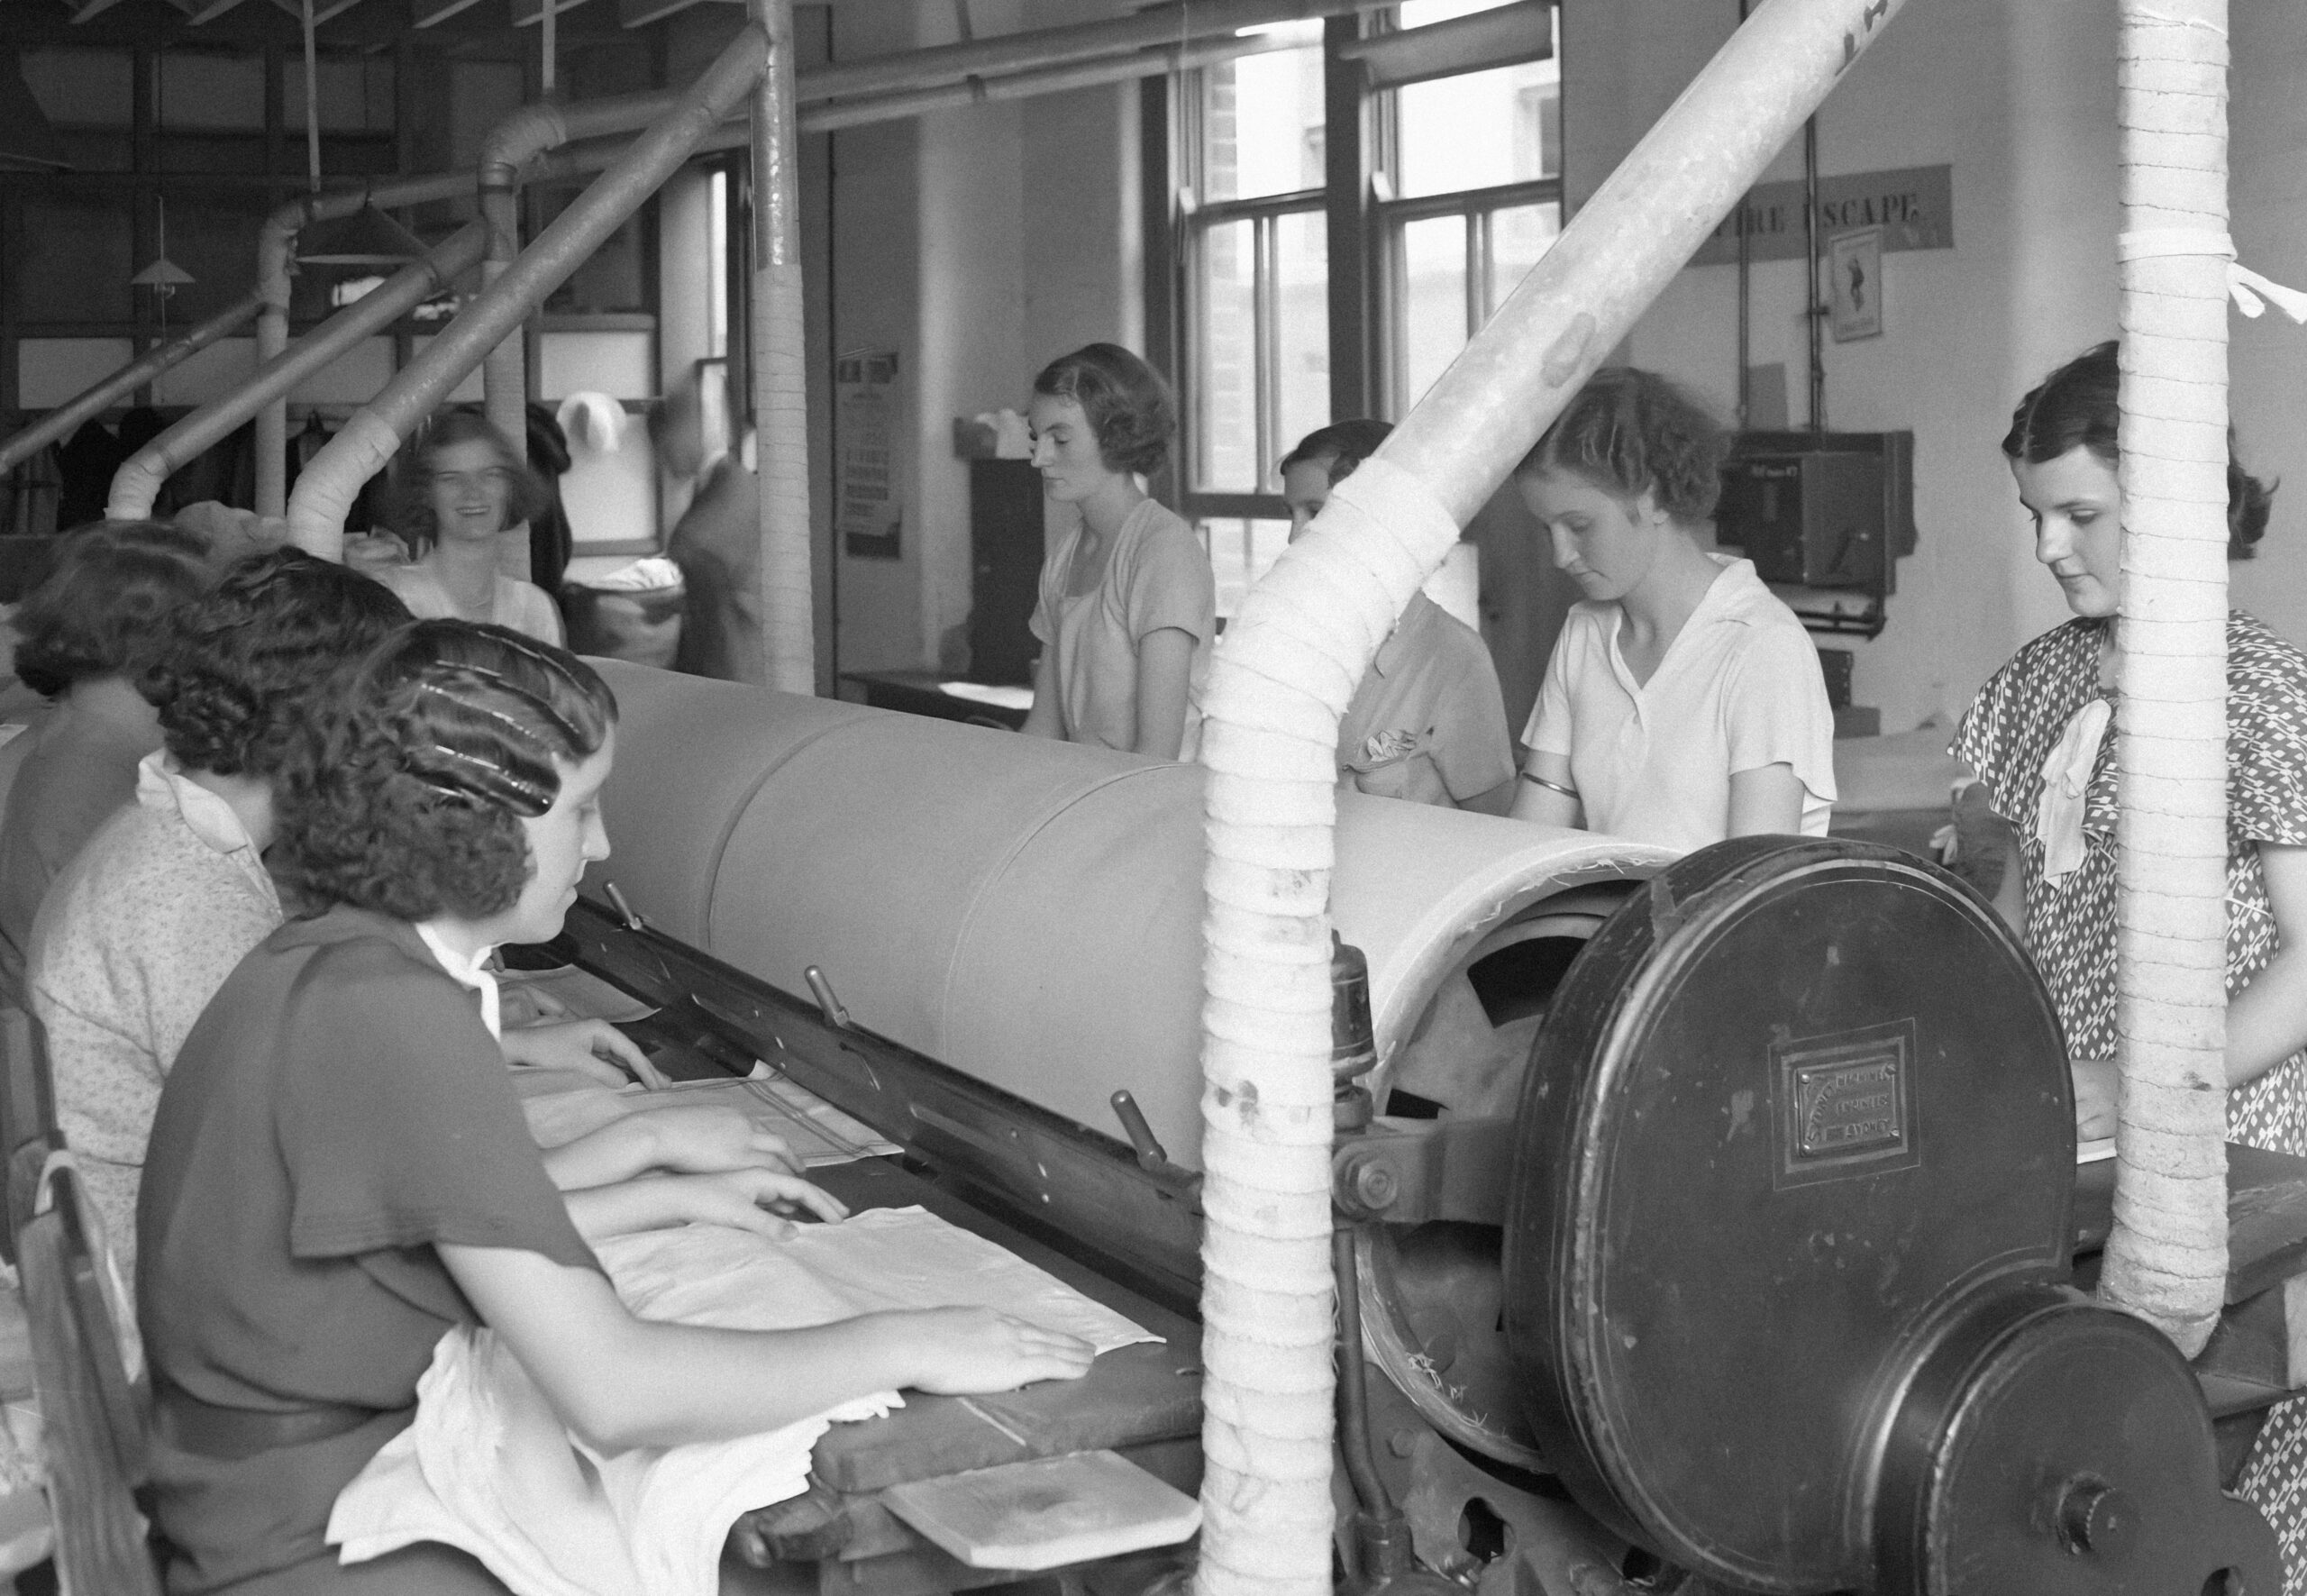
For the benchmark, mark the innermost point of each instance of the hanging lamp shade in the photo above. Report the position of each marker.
(368, 237)
(163, 273)
(27, 142)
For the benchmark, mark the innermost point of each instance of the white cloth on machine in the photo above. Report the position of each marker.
(487, 1467)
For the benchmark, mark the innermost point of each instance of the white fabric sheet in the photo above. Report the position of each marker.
(486, 1466)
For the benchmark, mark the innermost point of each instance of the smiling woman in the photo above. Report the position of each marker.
(465, 487)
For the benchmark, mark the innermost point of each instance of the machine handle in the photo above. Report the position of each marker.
(828, 1005)
(1151, 1155)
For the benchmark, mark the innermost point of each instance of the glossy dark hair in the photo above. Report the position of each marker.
(1340, 447)
(409, 509)
(406, 795)
(104, 607)
(1629, 430)
(1129, 405)
(242, 664)
(2078, 407)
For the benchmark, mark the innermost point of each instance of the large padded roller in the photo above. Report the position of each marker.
(1025, 910)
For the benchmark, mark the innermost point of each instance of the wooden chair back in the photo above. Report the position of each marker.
(28, 1126)
(95, 1401)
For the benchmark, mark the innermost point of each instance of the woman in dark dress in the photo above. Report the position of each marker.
(339, 1173)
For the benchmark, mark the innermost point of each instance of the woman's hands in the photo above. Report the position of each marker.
(707, 1139)
(591, 1047)
(756, 1200)
(962, 1351)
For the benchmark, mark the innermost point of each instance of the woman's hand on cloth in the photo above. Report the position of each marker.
(522, 1004)
(1403, 769)
(2096, 1082)
(591, 1047)
(706, 1138)
(966, 1350)
(756, 1200)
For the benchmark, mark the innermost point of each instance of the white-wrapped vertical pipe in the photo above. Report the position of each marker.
(1280, 683)
(779, 370)
(2167, 1259)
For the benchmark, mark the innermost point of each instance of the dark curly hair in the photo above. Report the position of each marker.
(409, 507)
(104, 607)
(2079, 406)
(1340, 447)
(1129, 405)
(407, 794)
(1630, 431)
(236, 682)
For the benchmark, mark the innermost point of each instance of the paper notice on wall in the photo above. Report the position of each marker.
(864, 434)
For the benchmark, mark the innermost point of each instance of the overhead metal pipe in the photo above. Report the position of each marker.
(1282, 675)
(507, 148)
(138, 482)
(784, 596)
(326, 490)
(275, 246)
(61, 421)
(1050, 47)
(1050, 80)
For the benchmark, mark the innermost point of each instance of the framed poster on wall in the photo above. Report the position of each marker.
(866, 510)
(1855, 284)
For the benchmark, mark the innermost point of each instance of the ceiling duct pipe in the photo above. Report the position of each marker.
(65, 418)
(510, 146)
(138, 482)
(1049, 80)
(1282, 675)
(945, 64)
(326, 490)
(275, 246)
(1505, 37)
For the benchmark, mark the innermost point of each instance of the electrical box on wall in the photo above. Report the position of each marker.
(1830, 512)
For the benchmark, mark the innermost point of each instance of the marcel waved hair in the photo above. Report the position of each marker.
(410, 504)
(241, 666)
(408, 791)
(1128, 405)
(1629, 430)
(104, 608)
(2079, 406)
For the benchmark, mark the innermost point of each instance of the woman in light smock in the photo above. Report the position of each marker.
(1128, 608)
(1683, 703)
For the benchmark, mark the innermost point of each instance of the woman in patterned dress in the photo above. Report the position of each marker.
(2040, 736)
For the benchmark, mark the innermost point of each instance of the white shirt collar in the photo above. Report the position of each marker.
(163, 787)
(468, 972)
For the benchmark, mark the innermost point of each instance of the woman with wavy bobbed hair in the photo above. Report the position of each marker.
(462, 489)
(86, 633)
(339, 1173)
(1128, 607)
(143, 927)
(2040, 735)
(1683, 703)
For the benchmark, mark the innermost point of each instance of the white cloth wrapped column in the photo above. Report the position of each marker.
(2166, 1260)
(1283, 673)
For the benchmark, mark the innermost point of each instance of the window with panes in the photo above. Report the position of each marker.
(1459, 192)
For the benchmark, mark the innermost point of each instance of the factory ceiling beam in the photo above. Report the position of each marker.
(1280, 682)
(430, 14)
(210, 12)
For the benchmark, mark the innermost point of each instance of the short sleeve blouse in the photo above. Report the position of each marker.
(338, 1111)
(1157, 576)
(1739, 690)
(2012, 728)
